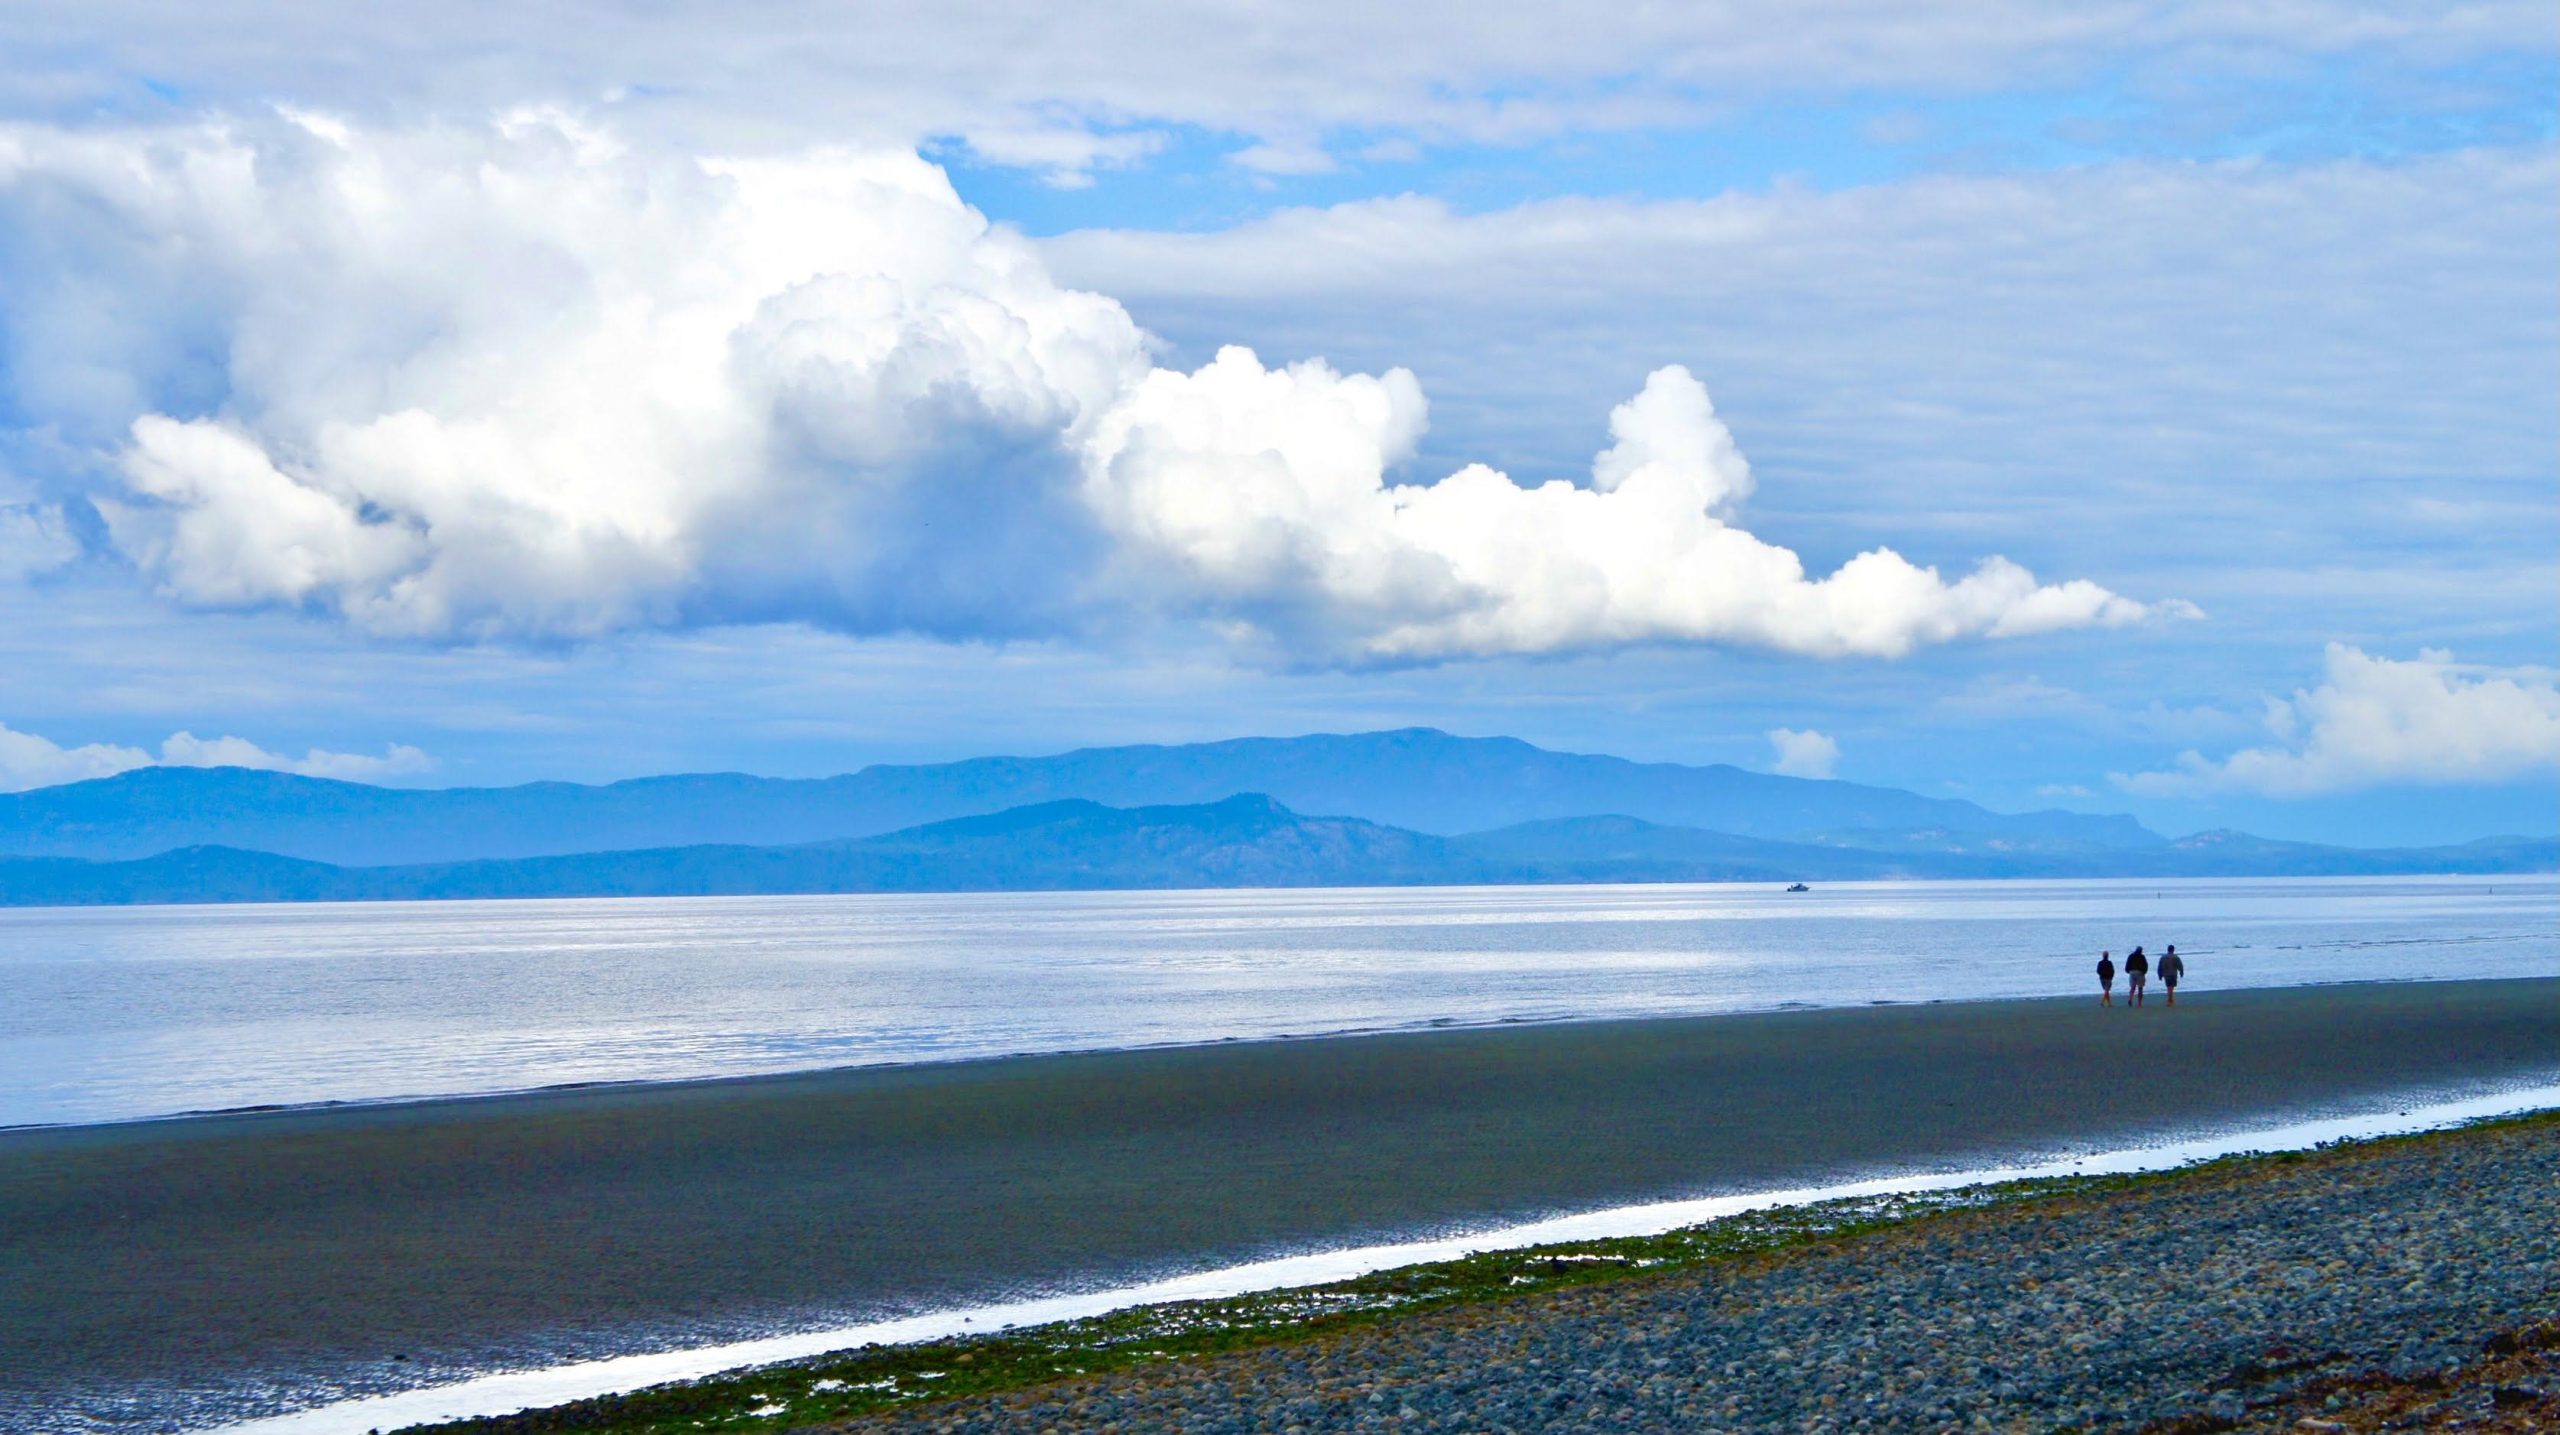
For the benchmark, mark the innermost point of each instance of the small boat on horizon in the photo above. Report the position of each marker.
(1799, 887)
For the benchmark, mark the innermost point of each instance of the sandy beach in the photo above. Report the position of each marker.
(157, 1268)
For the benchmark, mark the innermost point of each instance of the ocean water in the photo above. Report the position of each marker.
(117, 1013)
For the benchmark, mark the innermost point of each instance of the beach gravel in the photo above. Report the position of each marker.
(2382, 1286)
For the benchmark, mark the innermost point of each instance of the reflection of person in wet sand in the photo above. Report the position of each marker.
(2172, 967)
(2106, 979)
(2136, 968)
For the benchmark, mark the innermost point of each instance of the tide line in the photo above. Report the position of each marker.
(511, 1391)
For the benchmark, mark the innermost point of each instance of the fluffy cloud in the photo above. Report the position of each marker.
(527, 381)
(27, 760)
(530, 382)
(1263, 493)
(2378, 720)
(1803, 754)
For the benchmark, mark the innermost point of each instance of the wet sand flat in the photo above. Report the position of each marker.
(143, 1266)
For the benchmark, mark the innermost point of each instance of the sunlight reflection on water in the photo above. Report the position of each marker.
(115, 1013)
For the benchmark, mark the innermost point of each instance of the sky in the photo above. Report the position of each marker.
(2134, 408)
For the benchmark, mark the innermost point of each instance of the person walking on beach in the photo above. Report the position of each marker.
(2172, 967)
(2136, 968)
(2106, 979)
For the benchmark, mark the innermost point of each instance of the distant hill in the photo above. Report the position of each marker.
(1246, 841)
(1242, 841)
(189, 874)
(1419, 779)
(2208, 854)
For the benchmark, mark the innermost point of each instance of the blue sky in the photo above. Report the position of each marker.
(470, 395)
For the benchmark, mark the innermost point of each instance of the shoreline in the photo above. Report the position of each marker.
(2380, 1285)
(1303, 1283)
(1357, 1033)
(210, 1264)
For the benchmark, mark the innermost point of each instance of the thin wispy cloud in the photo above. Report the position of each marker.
(2310, 322)
(1287, 75)
(34, 538)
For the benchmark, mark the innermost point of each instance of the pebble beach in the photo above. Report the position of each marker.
(2397, 1284)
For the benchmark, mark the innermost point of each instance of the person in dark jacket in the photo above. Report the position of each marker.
(2137, 969)
(2172, 968)
(2106, 979)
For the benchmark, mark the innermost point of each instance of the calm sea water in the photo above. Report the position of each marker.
(113, 1013)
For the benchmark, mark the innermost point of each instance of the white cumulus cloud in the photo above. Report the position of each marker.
(2379, 720)
(1803, 754)
(27, 760)
(1265, 492)
(529, 381)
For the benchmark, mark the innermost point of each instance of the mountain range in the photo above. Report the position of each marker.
(1407, 807)
(1415, 778)
(1243, 841)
